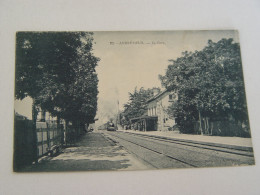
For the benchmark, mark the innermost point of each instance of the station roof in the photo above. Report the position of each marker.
(157, 96)
(143, 117)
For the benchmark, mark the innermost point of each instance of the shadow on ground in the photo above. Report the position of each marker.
(78, 165)
(93, 152)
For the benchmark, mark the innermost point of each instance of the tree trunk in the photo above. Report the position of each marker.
(60, 129)
(211, 127)
(207, 125)
(201, 132)
(75, 131)
(66, 132)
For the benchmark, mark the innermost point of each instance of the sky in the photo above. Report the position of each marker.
(122, 67)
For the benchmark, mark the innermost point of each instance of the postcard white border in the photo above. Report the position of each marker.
(130, 15)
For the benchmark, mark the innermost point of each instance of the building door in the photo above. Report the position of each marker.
(155, 125)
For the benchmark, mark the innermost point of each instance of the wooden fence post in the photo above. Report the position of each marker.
(35, 139)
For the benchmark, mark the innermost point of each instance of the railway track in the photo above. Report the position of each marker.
(187, 147)
(157, 152)
(237, 150)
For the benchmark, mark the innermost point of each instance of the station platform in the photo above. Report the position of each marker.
(218, 140)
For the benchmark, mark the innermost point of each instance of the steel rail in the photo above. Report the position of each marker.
(196, 145)
(240, 148)
(155, 151)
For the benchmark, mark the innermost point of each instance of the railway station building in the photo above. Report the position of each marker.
(156, 118)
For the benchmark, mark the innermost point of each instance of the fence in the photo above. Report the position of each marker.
(24, 143)
(29, 145)
(48, 137)
(222, 128)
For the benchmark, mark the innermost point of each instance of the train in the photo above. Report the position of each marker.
(109, 126)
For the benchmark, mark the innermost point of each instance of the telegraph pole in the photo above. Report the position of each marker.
(118, 118)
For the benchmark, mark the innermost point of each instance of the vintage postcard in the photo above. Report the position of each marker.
(129, 100)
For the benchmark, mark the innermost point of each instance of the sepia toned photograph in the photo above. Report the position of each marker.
(129, 100)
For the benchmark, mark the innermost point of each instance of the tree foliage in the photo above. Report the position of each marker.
(209, 83)
(57, 69)
(137, 104)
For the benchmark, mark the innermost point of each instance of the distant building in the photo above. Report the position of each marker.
(156, 118)
(44, 116)
(20, 117)
(24, 108)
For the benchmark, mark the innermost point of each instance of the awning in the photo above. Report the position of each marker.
(133, 120)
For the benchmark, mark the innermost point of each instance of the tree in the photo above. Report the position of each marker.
(137, 104)
(57, 69)
(209, 84)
